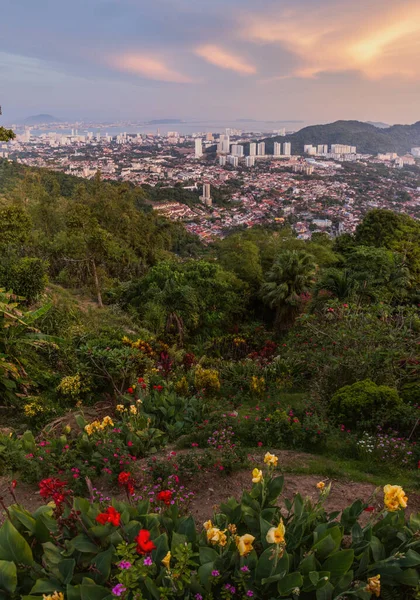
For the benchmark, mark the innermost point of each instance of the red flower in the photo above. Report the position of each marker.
(369, 509)
(130, 390)
(109, 516)
(144, 543)
(259, 444)
(14, 484)
(53, 488)
(125, 479)
(140, 380)
(165, 496)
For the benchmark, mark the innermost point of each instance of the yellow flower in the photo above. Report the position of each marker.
(55, 596)
(120, 408)
(208, 525)
(374, 586)
(244, 544)
(216, 536)
(107, 421)
(320, 485)
(89, 429)
(133, 409)
(394, 498)
(232, 528)
(271, 459)
(275, 535)
(139, 401)
(257, 476)
(167, 560)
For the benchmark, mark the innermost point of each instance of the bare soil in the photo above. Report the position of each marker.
(212, 488)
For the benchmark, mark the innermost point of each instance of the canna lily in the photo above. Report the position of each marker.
(216, 536)
(144, 543)
(394, 498)
(54, 596)
(271, 459)
(244, 544)
(374, 586)
(257, 476)
(109, 516)
(275, 535)
(167, 560)
(207, 525)
(320, 485)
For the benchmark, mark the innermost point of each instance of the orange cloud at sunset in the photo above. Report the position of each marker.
(150, 68)
(225, 60)
(378, 39)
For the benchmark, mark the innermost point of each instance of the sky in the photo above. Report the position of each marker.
(310, 60)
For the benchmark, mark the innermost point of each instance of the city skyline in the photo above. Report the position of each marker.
(314, 60)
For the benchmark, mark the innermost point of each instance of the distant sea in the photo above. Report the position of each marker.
(183, 128)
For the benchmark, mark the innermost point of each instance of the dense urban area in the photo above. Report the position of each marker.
(214, 183)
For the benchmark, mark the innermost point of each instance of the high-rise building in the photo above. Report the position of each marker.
(287, 149)
(233, 160)
(237, 150)
(322, 149)
(206, 196)
(222, 160)
(209, 136)
(224, 144)
(261, 149)
(277, 149)
(198, 148)
(252, 149)
(250, 161)
(342, 149)
(309, 149)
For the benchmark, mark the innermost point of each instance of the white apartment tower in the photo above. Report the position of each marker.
(287, 149)
(237, 150)
(206, 197)
(250, 161)
(277, 149)
(224, 144)
(252, 149)
(222, 160)
(261, 149)
(198, 148)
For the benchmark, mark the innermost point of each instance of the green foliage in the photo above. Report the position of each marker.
(365, 402)
(6, 134)
(289, 278)
(249, 548)
(26, 277)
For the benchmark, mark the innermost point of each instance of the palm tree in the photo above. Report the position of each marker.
(290, 276)
(336, 283)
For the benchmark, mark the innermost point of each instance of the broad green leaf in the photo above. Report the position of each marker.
(83, 544)
(8, 576)
(339, 563)
(289, 583)
(66, 568)
(94, 592)
(207, 555)
(13, 546)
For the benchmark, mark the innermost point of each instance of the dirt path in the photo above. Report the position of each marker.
(210, 489)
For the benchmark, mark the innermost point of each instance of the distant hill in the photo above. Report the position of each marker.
(165, 122)
(379, 124)
(40, 120)
(368, 138)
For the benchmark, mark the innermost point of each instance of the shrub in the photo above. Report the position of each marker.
(364, 403)
(27, 277)
(206, 379)
(78, 549)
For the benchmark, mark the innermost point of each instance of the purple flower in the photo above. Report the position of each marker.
(245, 569)
(125, 564)
(215, 573)
(250, 593)
(119, 589)
(198, 597)
(148, 561)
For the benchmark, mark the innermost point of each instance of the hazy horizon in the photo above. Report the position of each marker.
(314, 61)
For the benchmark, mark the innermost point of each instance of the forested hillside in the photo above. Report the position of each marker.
(367, 138)
(136, 363)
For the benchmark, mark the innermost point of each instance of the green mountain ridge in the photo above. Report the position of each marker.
(366, 137)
